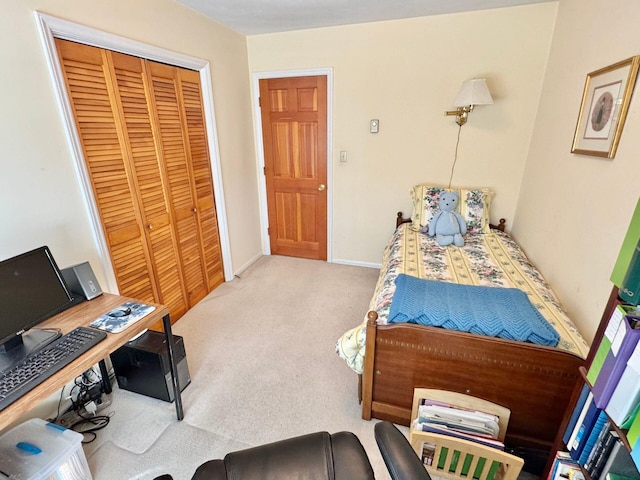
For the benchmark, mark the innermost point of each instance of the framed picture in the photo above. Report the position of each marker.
(605, 101)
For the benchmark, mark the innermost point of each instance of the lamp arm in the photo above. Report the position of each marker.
(461, 114)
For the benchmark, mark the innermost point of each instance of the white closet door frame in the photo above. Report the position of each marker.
(52, 27)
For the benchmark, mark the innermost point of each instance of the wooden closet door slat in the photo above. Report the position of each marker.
(92, 102)
(133, 100)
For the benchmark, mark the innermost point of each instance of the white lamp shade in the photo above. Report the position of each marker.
(473, 92)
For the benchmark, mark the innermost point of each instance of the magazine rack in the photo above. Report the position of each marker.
(455, 458)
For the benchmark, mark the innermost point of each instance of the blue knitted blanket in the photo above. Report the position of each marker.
(492, 311)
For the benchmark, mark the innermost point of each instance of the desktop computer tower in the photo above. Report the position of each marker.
(142, 366)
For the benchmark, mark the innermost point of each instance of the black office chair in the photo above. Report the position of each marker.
(317, 456)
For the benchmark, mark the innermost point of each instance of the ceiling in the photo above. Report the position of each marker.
(251, 17)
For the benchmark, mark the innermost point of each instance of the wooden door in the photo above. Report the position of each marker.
(294, 130)
(141, 126)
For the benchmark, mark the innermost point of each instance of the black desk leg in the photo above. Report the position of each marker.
(166, 323)
(106, 382)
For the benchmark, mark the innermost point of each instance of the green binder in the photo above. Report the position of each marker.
(628, 247)
(615, 476)
(634, 431)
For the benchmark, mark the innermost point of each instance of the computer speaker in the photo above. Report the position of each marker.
(81, 280)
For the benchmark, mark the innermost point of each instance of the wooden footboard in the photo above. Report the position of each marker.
(534, 382)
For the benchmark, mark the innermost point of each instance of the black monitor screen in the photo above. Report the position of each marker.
(31, 290)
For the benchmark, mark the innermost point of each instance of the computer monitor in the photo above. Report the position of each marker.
(31, 290)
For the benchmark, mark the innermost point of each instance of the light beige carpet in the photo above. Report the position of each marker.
(261, 355)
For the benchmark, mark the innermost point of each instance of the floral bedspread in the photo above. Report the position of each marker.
(488, 259)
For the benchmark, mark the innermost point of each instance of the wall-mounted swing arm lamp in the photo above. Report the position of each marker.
(473, 92)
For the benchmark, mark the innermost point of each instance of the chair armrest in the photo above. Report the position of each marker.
(211, 470)
(400, 459)
(350, 461)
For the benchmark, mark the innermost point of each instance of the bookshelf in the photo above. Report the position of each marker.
(579, 410)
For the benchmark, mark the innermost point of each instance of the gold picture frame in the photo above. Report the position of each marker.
(605, 102)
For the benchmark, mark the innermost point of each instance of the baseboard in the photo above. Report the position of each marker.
(357, 264)
(248, 264)
(340, 262)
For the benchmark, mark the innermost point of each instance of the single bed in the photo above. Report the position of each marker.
(535, 382)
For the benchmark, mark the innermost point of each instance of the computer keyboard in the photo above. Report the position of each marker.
(40, 365)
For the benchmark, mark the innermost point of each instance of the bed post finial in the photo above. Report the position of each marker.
(372, 317)
(400, 220)
(502, 224)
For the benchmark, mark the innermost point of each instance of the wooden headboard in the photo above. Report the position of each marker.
(501, 224)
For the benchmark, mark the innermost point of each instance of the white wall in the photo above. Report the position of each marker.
(407, 73)
(574, 210)
(40, 197)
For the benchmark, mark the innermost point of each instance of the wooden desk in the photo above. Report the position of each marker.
(82, 315)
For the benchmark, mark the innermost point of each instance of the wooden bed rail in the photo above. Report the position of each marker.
(502, 223)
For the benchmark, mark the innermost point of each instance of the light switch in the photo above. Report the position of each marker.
(343, 156)
(374, 125)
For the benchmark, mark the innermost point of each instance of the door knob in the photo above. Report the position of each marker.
(321, 187)
(150, 226)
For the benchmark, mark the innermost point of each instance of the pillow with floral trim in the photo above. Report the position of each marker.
(474, 206)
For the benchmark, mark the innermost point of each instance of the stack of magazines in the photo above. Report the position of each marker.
(458, 422)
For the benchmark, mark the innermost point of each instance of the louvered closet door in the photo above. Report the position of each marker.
(92, 100)
(132, 99)
(202, 175)
(142, 129)
(174, 148)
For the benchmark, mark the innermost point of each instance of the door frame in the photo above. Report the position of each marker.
(51, 27)
(262, 182)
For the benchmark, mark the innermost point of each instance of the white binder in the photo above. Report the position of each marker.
(626, 394)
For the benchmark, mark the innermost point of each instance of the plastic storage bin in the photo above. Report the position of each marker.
(39, 450)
